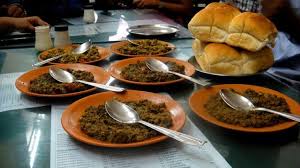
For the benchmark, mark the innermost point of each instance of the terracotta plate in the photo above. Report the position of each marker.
(115, 49)
(22, 83)
(104, 53)
(115, 69)
(70, 117)
(200, 97)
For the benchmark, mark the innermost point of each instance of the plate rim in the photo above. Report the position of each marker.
(107, 53)
(92, 141)
(19, 83)
(115, 46)
(152, 25)
(207, 117)
(113, 68)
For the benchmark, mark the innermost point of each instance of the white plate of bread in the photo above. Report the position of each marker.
(232, 43)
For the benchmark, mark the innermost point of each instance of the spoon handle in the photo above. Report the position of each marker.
(174, 134)
(46, 61)
(134, 43)
(286, 115)
(101, 86)
(199, 82)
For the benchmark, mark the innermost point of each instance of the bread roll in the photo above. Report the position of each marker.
(212, 23)
(251, 31)
(224, 59)
(220, 23)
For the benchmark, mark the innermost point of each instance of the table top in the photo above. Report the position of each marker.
(17, 127)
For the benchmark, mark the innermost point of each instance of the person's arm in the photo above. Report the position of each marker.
(272, 7)
(283, 16)
(6, 25)
(181, 7)
(14, 8)
(12, 1)
(9, 24)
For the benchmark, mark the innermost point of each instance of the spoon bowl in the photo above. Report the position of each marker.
(121, 112)
(236, 101)
(241, 103)
(125, 114)
(66, 77)
(82, 48)
(159, 66)
(61, 75)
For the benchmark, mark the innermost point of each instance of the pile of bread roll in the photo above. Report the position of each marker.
(231, 42)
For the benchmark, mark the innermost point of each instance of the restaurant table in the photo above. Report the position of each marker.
(241, 150)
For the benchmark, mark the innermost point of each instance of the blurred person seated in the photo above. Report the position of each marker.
(245, 5)
(179, 10)
(287, 52)
(287, 48)
(53, 11)
(10, 24)
(284, 15)
(12, 8)
(112, 4)
(280, 12)
(56, 8)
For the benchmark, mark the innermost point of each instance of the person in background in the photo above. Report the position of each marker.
(286, 51)
(276, 10)
(53, 10)
(245, 5)
(10, 24)
(12, 8)
(179, 10)
(284, 16)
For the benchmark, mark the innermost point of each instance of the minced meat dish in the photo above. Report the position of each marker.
(257, 119)
(145, 47)
(96, 123)
(90, 55)
(139, 72)
(45, 84)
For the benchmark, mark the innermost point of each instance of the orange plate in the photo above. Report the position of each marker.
(104, 52)
(200, 97)
(70, 117)
(22, 83)
(116, 68)
(115, 49)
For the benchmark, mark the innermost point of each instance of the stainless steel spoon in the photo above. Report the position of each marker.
(156, 65)
(241, 103)
(125, 114)
(78, 50)
(66, 77)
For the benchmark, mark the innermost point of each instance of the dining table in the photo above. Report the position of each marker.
(26, 127)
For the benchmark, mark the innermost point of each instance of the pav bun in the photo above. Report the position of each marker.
(212, 23)
(224, 59)
(251, 31)
(223, 23)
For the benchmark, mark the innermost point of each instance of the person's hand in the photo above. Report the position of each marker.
(272, 7)
(28, 23)
(15, 10)
(146, 3)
